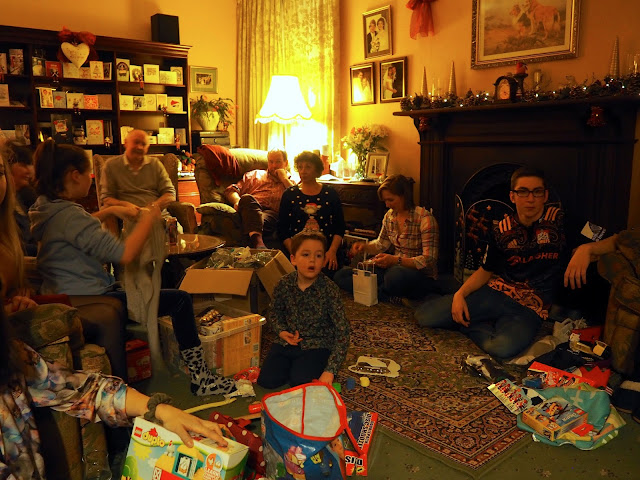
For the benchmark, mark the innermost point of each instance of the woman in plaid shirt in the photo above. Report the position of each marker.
(411, 270)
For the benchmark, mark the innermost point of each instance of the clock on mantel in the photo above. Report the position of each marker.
(506, 89)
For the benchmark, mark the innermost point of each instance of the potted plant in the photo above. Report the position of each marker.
(211, 113)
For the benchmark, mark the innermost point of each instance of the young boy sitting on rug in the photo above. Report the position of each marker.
(308, 316)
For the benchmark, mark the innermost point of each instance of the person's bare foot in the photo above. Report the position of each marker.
(257, 242)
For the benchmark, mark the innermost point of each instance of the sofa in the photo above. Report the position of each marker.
(622, 324)
(218, 216)
(55, 331)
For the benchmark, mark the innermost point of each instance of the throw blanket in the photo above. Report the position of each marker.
(220, 162)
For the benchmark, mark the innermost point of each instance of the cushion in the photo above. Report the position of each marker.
(249, 159)
(215, 208)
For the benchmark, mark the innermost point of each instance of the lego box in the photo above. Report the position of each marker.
(155, 453)
(554, 417)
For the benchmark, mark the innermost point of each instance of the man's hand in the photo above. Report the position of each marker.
(331, 260)
(281, 173)
(179, 422)
(326, 377)
(291, 338)
(384, 260)
(460, 310)
(126, 212)
(576, 272)
(18, 303)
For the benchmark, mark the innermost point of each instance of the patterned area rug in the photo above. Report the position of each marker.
(432, 402)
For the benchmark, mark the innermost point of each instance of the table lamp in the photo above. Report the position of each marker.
(284, 103)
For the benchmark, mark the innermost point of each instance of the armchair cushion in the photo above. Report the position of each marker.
(214, 208)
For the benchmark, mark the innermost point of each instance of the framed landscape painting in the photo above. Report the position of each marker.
(362, 85)
(377, 32)
(203, 79)
(507, 31)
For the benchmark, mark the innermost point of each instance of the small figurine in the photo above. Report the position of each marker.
(521, 68)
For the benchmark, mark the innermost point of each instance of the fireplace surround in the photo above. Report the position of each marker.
(588, 167)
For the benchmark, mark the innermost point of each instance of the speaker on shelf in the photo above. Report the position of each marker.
(165, 28)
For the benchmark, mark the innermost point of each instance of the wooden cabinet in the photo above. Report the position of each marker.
(98, 104)
(360, 203)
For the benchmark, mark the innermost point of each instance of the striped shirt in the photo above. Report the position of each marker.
(418, 239)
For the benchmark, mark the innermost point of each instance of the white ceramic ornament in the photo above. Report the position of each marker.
(76, 54)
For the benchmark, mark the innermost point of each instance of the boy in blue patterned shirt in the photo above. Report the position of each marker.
(308, 316)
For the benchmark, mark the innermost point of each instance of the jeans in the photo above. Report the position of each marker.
(499, 325)
(177, 304)
(293, 365)
(254, 218)
(396, 281)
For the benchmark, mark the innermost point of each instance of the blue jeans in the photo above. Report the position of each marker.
(177, 304)
(499, 325)
(396, 281)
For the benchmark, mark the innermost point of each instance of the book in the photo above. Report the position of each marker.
(3, 63)
(174, 105)
(135, 72)
(53, 69)
(69, 70)
(38, 66)
(16, 61)
(122, 69)
(161, 100)
(138, 102)
(105, 101)
(61, 128)
(91, 102)
(126, 102)
(59, 99)
(151, 73)
(46, 97)
(106, 70)
(23, 135)
(85, 73)
(96, 70)
(75, 100)
(150, 101)
(4, 95)
(179, 78)
(95, 132)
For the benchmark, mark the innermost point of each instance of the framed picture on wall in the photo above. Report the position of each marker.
(504, 31)
(377, 32)
(377, 163)
(393, 80)
(362, 85)
(203, 79)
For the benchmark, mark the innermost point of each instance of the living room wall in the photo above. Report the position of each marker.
(600, 22)
(209, 27)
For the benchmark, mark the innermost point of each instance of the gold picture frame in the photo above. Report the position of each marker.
(203, 79)
(362, 80)
(393, 79)
(377, 163)
(505, 32)
(377, 32)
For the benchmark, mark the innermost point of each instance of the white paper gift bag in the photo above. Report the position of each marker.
(365, 284)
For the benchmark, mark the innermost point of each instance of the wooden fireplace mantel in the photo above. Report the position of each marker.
(589, 167)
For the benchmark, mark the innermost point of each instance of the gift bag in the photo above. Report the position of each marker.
(302, 429)
(365, 285)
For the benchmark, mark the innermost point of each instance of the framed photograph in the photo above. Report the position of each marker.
(377, 32)
(377, 165)
(362, 85)
(107, 70)
(393, 80)
(203, 79)
(504, 31)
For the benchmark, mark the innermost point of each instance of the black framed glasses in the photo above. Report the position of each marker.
(524, 192)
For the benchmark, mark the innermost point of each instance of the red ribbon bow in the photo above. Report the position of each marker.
(66, 35)
(421, 18)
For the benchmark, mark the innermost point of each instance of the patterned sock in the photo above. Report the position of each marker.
(203, 382)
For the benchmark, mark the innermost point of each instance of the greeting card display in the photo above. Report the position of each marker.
(75, 100)
(38, 66)
(69, 70)
(150, 101)
(96, 70)
(95, 132)
(85, 73)
(174, 105)
(151, 73)
(53, 69)
(138, 102)
(122, 69)
(161, 101)
(91, 102)
(23, 134)
(126, 102)
(179, 77)
(106, 70)
(46, 97)
(61, 128)
(4, 95)
(135, 72)
(3, 63)
(59, 99)
(105, 101)
(16, 61)
(181, 135)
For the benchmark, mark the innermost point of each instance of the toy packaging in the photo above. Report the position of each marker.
(554, 417)
(511, 395)
(157, 454)
(362, 425)
(554, 377)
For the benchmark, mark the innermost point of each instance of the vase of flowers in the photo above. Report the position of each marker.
(362, 141)
(213, 114)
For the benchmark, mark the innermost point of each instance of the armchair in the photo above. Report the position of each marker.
(218, 217)
(622, 325)
(55, 331)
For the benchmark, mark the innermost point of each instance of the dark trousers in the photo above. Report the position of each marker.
(177, 304)
(254, 218)
(293, 365)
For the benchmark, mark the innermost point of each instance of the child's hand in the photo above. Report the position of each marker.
(291, 338)
(326, 377)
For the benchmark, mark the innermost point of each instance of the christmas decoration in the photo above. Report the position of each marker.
(452, 81)
(614, 67)
(76, 47)
(597, 117)
(425, 86)
(421, 18)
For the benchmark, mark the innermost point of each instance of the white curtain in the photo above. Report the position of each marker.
(289, 37)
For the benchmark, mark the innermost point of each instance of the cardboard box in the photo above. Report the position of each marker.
(156, 453)
(238, 287)
(554, 377)
(138, 360)
(554, 417)
(362, 425)
(235, 348)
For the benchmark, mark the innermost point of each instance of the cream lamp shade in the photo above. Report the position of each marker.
(284, 103)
